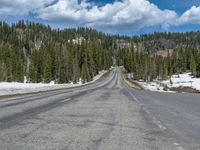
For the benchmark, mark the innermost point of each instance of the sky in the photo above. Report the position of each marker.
(128, 17)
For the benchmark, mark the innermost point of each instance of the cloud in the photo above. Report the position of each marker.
(124, 15)
(21, 7)
(191, 16)
(120, 15)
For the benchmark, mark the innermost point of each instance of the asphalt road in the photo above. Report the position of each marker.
(106, 115)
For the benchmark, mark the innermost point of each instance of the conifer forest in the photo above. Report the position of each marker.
(43, 54)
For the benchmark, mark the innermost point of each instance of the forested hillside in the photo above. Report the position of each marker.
(43, 54)
(148, 66)
(159, 55)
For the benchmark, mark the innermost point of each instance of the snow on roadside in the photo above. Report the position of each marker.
(10, 88)
(95, 78)
(152, 86)
(181, 80)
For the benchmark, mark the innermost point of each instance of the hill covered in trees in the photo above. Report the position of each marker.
(159, 55)
(43, 54)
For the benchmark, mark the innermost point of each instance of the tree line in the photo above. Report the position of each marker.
(148, 66)
(43, 54)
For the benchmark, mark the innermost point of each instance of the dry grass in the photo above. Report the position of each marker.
(129, 82)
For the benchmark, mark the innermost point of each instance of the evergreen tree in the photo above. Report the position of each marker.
(193, 66)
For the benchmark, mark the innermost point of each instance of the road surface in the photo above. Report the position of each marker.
(106, 115)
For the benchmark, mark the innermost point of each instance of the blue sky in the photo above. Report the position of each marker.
(118, 17)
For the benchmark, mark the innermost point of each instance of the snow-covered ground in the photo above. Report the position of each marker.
(10, 88)
(152, 86)
(181, 80)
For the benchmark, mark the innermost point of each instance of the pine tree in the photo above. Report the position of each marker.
(47, 69)
(193, 66)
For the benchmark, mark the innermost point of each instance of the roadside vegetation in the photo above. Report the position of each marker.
(34, 53)
(148, 66)
(37, 53)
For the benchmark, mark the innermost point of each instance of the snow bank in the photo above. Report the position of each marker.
(10, 88)
(152, 86)
(181, 80)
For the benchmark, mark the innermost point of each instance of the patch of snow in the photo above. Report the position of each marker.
(129, 75)
(181, 80)
(25, 79)
(95, 78)
(77, 40)
(152, 86)
(10, 88)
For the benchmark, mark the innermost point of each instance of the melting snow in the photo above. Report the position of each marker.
(181, 80)
(10, 88)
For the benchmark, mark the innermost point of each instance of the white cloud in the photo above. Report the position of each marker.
(20, 7)
(124, 15)
(191, 16)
